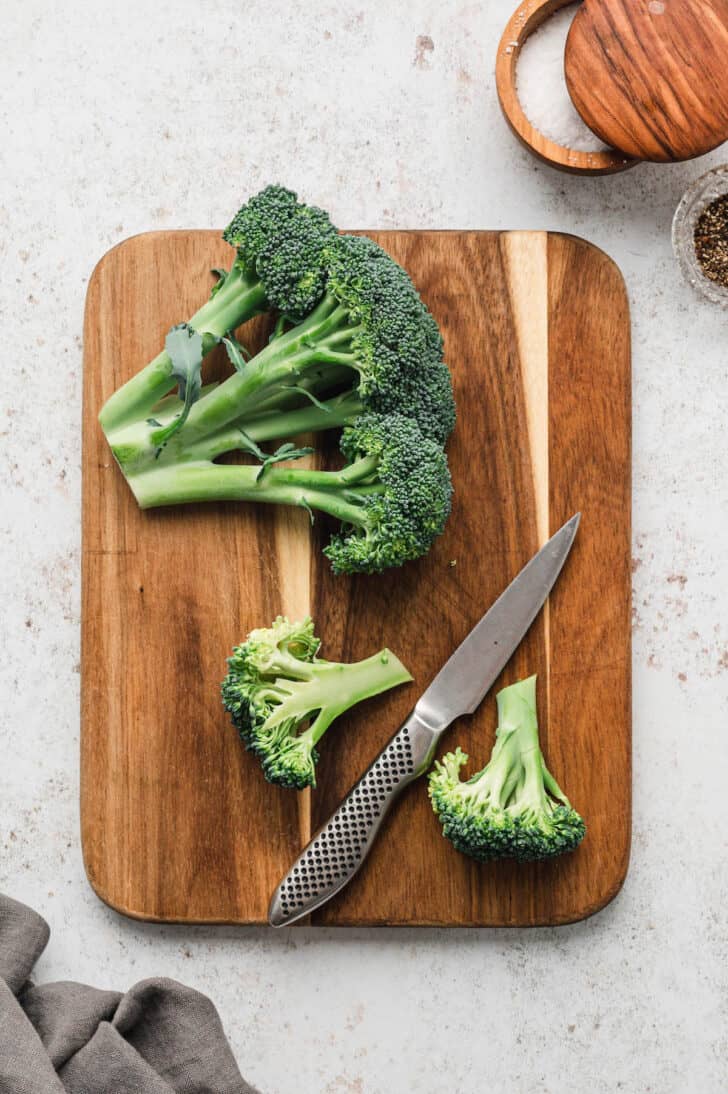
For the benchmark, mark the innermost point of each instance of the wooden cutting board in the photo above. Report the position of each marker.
(178, 823)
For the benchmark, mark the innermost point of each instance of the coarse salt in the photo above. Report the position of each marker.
(541, 86)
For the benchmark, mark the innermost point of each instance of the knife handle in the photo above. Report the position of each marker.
(339, 848)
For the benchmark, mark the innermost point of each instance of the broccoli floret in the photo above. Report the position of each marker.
(399, 481)
(279, 263)
(283, 243)
(392, 497)
(282, 697)
(513, 808)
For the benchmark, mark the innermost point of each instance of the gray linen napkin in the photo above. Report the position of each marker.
(158, 1038)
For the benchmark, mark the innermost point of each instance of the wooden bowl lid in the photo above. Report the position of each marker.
(650, 77)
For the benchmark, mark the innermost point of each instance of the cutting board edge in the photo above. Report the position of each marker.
(570, 918)
(123, 243)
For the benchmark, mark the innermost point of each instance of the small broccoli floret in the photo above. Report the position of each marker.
(400, 482)
(284, 244)
(514, 807)
(282, 697)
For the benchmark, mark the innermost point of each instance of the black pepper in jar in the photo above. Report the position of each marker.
(711, 240)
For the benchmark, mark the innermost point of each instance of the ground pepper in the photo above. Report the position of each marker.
(711, 240)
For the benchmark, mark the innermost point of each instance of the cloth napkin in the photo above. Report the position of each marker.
(158, 1038)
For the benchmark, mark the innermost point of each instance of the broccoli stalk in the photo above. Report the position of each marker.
(393, 496)
(282, 697)
(513, 808)
(240, 297)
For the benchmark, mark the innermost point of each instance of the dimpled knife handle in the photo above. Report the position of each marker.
(339, 848)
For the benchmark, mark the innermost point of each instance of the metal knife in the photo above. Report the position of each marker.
(339, 848)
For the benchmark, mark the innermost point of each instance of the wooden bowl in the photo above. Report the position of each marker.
(524, 21)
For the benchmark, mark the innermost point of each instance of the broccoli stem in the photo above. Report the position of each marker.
(517, 711)
(333, 688)
(132, 443)
(517, 714)
(323, 338)
(328, 491)
(332, 414)
(268, 380)
(239, 298)
(517, 735)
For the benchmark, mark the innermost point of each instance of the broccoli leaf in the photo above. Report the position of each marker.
(185, 350)
(239, 355)
(280, 327)
(287, 451)
(304, 504)
(316, 402)
(221, 276)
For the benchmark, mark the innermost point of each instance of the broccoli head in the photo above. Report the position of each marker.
(513, 808)
(282, 697)
(283, 243)
(399, 484)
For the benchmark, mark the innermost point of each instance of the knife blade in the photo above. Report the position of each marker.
(339, 848)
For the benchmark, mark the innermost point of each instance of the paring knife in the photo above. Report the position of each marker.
(339, 848)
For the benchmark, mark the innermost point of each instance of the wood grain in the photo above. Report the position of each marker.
(651, 78)
(177, 822)
(526, 19)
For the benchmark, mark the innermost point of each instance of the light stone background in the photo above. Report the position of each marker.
(118, 118)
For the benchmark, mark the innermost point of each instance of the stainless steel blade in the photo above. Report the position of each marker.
(341, 845)
(470, 672)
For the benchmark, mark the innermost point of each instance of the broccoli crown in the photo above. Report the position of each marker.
(513, 808)
(269, 654)
(393, 332)
(285, 242)
(282, 697)
(425, 396)
(287, 759)
(401, 482)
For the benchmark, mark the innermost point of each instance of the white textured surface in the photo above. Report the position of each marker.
(120, 118)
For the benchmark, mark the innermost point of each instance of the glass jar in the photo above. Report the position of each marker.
(696, 198)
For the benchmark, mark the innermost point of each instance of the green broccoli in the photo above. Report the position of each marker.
(367, 352)
(282, 697)
(279, 264)
(392, 496)
(513, 808)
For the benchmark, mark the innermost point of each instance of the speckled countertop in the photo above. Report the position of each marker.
(120, 118)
